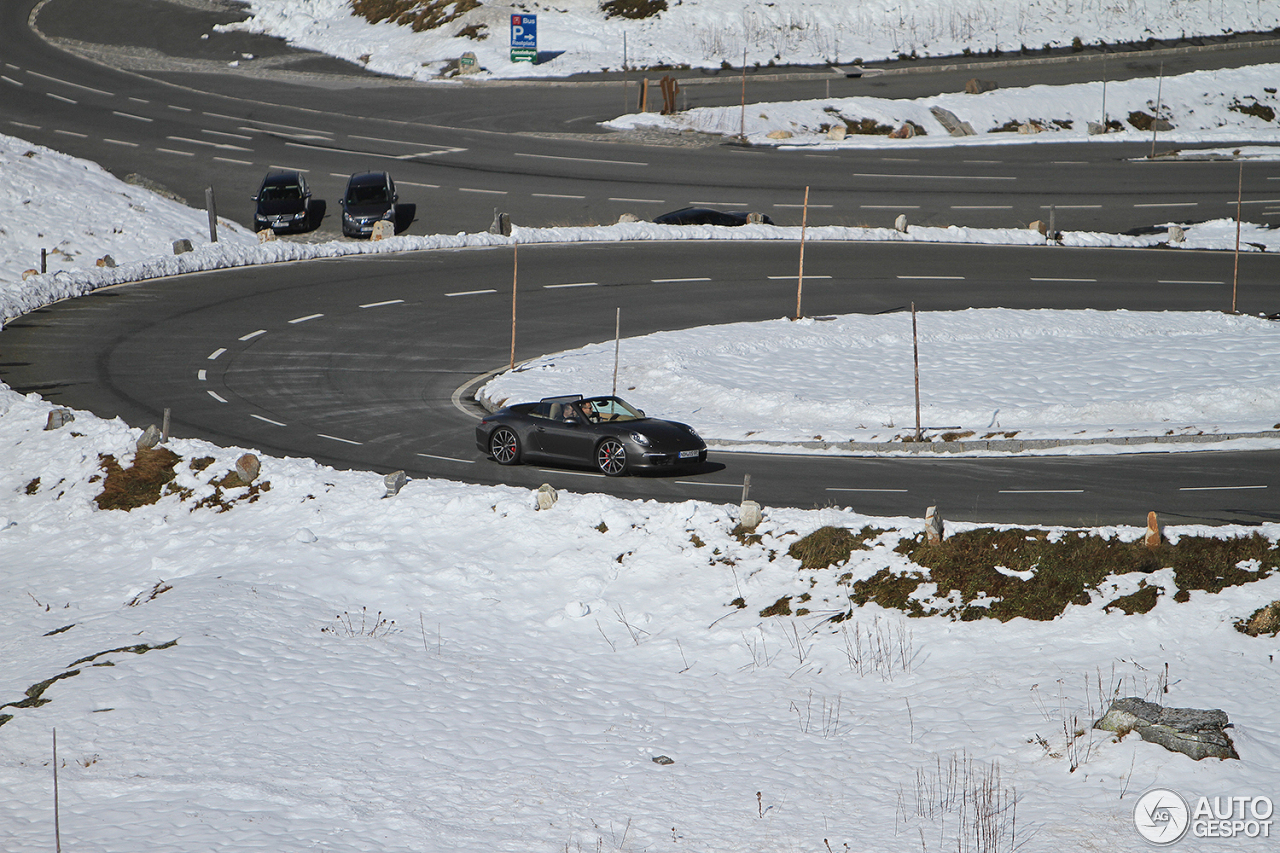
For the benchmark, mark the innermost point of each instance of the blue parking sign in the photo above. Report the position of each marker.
(524, 32)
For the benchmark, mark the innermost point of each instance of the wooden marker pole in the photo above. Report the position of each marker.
(804, 222)
(515, 266)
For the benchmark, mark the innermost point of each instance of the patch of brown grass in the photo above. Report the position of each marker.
(829, 546)
(1264, 621)
(138, 485)
(634, 10)
(418, 15)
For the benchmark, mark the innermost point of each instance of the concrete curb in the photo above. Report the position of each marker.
(1006, 445)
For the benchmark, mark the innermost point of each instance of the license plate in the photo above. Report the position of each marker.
(689, 454)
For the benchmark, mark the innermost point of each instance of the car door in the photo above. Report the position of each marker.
(567, 435)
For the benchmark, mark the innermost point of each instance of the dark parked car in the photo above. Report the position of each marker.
(707, 216)
(284, 203)
(604, 432)
(370, 197)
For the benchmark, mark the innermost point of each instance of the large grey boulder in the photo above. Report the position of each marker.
(1199, 734)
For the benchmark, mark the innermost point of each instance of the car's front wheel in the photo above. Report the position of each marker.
(611, 457)
(504, 446)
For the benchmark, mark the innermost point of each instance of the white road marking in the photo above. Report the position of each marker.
(71, 133)
(343, 440)
(120, 142)
(202, 374)
(134, 117)
(936, 177)
(60, 98)
(794, 277)
(23, 124)
(896, 491)
(1258, 201)
(9, 80)
(228, 135)
(219, 351)
(179, 153)
(1070, 162)
(1071, 206)
(216, 396)
(268, 420)
(1168, 204)
(412, 184)
(576, 284)
(306, 318)
(486, 192)
(982, 207)
(889, 206)
(581, 159)
(223, 146)
(717, 204)
(139, 100)
(470, 292)
(801, 206)
(1041, 491)
(699, 483)
(1176, 281)
(232, 160)
(640, 200)
(675, 280)
(380, 304)
(320, 134)
(179, 109)
(1217, 488)
(448, 458)
(986, 162)
(569, 473)
(1033, 278)
(933, 277)
(253, 335)
(72, 85)
(555, 195)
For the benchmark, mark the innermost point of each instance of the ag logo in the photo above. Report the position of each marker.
(1161, 816)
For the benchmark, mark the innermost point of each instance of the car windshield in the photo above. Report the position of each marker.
(281, 193)
(613, 409)
(367, 194)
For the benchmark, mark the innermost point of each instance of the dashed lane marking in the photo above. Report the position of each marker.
(343, 440)
(215, 395)
(253, 335)
(380, 304)
(268, 420)
(306, 318)
(447, 458)
(470, 292)
(219, 351)
(581, 159)
(1217, 488)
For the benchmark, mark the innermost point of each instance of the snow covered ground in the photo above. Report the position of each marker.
(1239, 104)
(576, 36)
(225, 679)
(218, 678)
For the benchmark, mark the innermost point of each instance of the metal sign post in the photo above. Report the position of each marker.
(524, 38)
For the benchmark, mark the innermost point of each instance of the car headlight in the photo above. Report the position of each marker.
(640, 439)
(301, 214)
(347, 217)
(389, 215)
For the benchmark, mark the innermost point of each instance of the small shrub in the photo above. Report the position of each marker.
(475, 32)
(1264, 620)
(1139, 602)
(867, 126)
(781, 607)
(1077, 44)
(602, 527)
(373, 627)
(33, 486)
(957, 436)
(697, 540)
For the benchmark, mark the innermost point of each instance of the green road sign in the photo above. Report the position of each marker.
(524, 54)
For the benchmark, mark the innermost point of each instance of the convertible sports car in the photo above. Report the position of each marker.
(604, 432)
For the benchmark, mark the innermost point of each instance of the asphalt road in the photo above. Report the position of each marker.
(356, 362)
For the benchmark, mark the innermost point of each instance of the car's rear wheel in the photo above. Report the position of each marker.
(504, 446)
(611, 457)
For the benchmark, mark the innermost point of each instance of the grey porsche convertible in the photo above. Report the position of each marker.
(606, 433)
